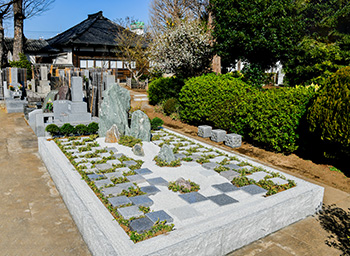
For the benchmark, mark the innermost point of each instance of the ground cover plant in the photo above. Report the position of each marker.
(173, 186)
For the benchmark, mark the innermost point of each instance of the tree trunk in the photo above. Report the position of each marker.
(1, 43)
(216, 61)
(18, 40)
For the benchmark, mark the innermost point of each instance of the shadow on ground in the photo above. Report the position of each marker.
(336, 221)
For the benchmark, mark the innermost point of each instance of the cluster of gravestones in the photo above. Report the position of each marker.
(232, 140)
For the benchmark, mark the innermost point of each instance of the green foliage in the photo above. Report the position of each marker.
(254, 75)
(259, 31)
(81, 129)
(170, 106)
(129, 141)
(156, 123)
(174, 187)
(23, 62)
(162, 163)
(200, 96)
(53, 129)
(67, 129)
(92, 128)
(328, 117)
(164, 88)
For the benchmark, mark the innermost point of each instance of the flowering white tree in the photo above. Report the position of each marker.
(183, 49)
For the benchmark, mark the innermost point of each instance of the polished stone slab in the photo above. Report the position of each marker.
(193, 197)
(222, 199)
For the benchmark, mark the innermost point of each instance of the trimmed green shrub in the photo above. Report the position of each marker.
(275, 116)
(170, 106)
(200, 96)
(164, 88)
(53, 129)
(67, 129)
(92, 128)
(81, 129)
(328, 117)
(156, 123)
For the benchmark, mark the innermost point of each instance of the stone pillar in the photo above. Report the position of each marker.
(77, 89)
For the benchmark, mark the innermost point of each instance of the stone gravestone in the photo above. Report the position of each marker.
(43, 73)
(77, 89)
(140, 126)
(114, 110)
(62, 93)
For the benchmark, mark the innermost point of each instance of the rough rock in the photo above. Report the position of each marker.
(184, 183)
(140, 126)
(166, 154)
(114, 110)
(138, 150)
(50, 97)
(112, 135)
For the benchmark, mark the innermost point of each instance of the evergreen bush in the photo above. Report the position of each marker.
(164, 88)
(92, 128)
(81, 129)
(67, 129)
(170, 106)
(156, 123)
(328, 117)
(53, 129)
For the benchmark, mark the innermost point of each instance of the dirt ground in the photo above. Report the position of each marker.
(292, 164)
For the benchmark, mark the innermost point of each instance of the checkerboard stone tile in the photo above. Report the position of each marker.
(195, 156)
(159, 216)
(119, 155)
(103, 167)
(143, 171)
(141, 200)
(279, 181)
(113, 149)
(184, 212)
(80, 160)
(95, 159)
(210, 165)
(246, 167)
(193, 197)
(141, 225)
(158, 181)
(229, 174)
(87, 165)
(150, 190)
(129, 163)
(222, 199)
(112, 175)
(225, 187)
(136, 178)
(217, 159)
(115, 161)
(117, 189)
(253, 189)
(180, 156)
(103, 183)
(232, 166)
(122, 170)
(257, 176)
(95, 176)
(119, 201)
(130, 212)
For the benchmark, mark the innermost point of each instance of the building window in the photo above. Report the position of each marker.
(98, 64)
(83, 64)
(113, 64)
(90, 63)
(119, 64)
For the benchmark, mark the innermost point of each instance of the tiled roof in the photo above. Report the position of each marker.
(32, 45)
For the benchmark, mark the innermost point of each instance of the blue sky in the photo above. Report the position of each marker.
(64, 14)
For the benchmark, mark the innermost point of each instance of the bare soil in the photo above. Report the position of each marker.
(292, 164)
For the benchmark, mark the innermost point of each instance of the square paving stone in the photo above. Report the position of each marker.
(119, 155)
(222, 199)
(218, 159)
(107, 154)
(129, 163)
(225, 187)
(103, 167)
(141, 200)
(113, 149)
(210, 165)
(193, 197)
(141, 225)
(117, 189)
(136, 178)
(246, 167)
(229, 174)
(95, 176)
(180, 156)
(115, 161)
(195, 156)
(130, 212)
(253, 189)
(158, 181)
(159, 216)
(150, 190)
(184, 212)
(87, 165)
(232, 166)
(112, 175)
(257, 176)
(122, 170)
(103, 183)
(119, 201)
(279, 181)
(143, 171)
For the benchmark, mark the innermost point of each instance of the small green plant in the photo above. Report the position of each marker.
(162, 163)
(176, 188)
(119, 180)
(156, 123)
(221, 169)
(144, 209)
(67, 129)
(132, 191)
(129, 141)
(53, 129)
(334, 169)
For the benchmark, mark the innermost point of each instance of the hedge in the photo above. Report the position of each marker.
(164, 88)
